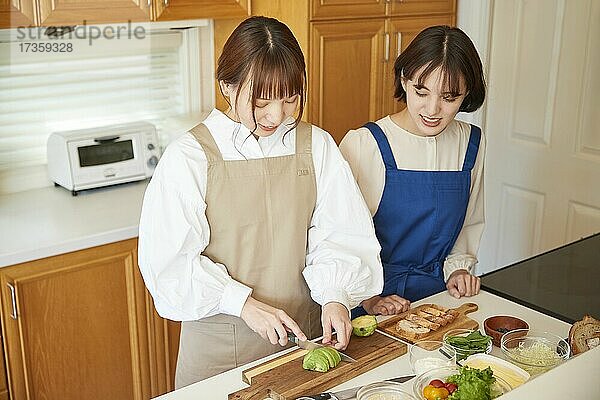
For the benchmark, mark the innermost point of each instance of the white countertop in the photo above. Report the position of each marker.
(49, 221)
(577, 378)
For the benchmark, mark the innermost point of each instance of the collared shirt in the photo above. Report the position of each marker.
(443, 152)
(342, 261)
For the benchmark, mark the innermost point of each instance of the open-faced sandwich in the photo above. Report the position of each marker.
(418, 323)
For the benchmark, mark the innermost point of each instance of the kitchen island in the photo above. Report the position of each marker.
(577, 378)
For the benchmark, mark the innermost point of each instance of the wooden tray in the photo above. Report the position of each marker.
(460, 322)
(283, 378)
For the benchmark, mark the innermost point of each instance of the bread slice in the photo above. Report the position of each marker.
(432, 318)
(411, 330)
(434, 311)
(584, 335)
(423, 322)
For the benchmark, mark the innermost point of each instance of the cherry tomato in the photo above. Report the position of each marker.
(433, 393)
(436, 383)
(451, 387)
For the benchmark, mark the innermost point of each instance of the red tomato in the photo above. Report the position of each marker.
(436, 383)
(451, 387)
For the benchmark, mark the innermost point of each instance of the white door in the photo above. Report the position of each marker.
(543, 128)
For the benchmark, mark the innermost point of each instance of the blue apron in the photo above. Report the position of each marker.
(418, 221)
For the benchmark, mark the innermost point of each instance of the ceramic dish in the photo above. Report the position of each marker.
(383, 391)
(505, 370)
(498, 325)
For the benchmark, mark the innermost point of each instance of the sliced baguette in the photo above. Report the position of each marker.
(411, 330)
(423, 322)
(584, 335)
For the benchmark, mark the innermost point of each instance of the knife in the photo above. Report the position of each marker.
(308, 345)
(348, 394)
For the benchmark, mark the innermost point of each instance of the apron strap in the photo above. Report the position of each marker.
(304, 138)
(472, 148)
(384, 145)
(203, 136)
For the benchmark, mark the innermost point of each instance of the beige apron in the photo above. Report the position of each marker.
(259, 212)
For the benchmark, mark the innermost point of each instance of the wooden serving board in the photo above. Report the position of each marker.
(283, 378)
(460, 322)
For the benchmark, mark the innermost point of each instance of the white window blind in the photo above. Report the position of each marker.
(158, 79)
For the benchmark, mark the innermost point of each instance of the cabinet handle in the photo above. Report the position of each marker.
(13, 297)
(149, 3)
(386, 49)
(399, 38)
(166, 3)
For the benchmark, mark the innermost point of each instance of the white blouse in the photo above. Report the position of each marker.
(443, 152)
(342, 262)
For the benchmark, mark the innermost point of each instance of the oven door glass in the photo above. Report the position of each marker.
(106, 152)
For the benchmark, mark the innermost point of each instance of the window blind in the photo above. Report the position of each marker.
(98, 83)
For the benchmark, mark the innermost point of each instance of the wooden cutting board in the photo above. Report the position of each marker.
(283, 378)
(460, 322)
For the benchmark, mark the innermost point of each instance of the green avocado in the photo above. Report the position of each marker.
(321, 359)
(364, 325)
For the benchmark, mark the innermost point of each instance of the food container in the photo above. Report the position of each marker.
(508, 372)
(499, 387)
(383, 391)
(430, 354)
(498, 325)
(461, 352)
(534, 351)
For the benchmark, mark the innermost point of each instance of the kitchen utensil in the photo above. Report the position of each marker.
(350, 393)
(534, 351)
(498, 325)
(499, 387)
(461, 321)
(429, 354)
(308, 345)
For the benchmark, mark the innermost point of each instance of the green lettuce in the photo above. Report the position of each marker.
(473, 384)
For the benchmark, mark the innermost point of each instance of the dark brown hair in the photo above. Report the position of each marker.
(453, 51)
(264, 52)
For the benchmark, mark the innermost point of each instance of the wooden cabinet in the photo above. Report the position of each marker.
(168, 10)
(15, 13)
(339, 9)
(3, 383)
(346, 65)
(82, 326)
(351, 63)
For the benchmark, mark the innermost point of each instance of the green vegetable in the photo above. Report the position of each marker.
(364, 325)
(473, 343)
(473, 384)
(321, 359)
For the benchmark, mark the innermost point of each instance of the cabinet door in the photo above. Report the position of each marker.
(421, 7)
(346, 66)
(168, 10)
(402, 31)
(321, 9)
(15, 13)
(76, 12)
(76, 326)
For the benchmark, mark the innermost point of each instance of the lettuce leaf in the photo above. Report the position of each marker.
(473, 384)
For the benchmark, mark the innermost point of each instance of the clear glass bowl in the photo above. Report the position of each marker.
(534, 351)
(383, 391)
(425, 355)
(499, 387)
(461, 353)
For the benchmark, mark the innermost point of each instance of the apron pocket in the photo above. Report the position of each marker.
(206, 349)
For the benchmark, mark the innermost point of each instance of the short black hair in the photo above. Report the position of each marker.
(453, 51)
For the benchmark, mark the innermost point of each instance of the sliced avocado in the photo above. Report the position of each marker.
(315, 360)
(334, 356)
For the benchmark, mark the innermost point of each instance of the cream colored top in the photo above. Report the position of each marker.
(342, 255)
(444, 152)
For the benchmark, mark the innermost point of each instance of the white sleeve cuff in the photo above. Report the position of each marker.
(234, 298)
(336, 295)
(454, 263)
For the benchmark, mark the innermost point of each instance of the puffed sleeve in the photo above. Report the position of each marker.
(342, 263)
(463, 254)
(173, 232)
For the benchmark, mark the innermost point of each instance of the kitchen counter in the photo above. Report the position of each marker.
(49, 221)
(563, 282)
(569, 380)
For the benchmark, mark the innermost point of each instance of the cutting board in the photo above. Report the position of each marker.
(460, 322)
(283, 378)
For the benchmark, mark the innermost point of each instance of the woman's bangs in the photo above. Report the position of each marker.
(451, 76)
(274, 78)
